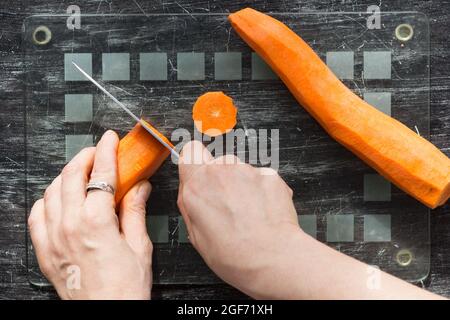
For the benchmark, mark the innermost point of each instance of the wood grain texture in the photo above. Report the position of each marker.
(13, 276)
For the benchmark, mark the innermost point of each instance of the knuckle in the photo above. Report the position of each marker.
(180, 200)
(227, 159)
(244, 171)
(31, 221)
(276, 182)
(136, 207)
(248, 169)
(70, 169)
(95, 221)
(185, 194)
(218, 160)
(269, 172)
(271, 182)
(32, 217)
(268, 179)
(48, 194)
(104, 168)
(37, 204)
(215, 170)
(69, 229)
(147, 246)
(291, 192)
(146, 253)
(103, 174)
(100, 171)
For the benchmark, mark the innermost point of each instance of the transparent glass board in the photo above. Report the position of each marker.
(159, 64)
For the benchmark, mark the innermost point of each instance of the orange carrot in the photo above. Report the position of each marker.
(214, 114)
(139, 156)
(396, 152)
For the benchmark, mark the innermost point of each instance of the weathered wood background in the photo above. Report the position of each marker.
(13, 275)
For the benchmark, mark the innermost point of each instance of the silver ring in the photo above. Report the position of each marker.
(99, 185)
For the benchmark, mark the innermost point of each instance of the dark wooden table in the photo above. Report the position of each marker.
(13, 274)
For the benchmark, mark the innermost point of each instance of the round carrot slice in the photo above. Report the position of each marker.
(214, 114)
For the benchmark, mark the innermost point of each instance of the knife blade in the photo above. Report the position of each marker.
(127, 110)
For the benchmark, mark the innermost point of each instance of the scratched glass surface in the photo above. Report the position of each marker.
(327, 179)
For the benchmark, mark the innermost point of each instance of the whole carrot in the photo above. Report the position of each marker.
(396, 152)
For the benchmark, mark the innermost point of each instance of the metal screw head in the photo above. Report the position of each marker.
(41, 35)
(404, 257)
(404, 32)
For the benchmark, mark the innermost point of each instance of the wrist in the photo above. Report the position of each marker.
(272, 280)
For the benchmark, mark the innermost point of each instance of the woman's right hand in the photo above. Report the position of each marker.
(240, 219)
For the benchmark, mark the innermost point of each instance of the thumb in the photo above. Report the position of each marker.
(132, 217)
(192, 157)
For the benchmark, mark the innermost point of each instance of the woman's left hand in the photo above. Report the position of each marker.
(83, 247)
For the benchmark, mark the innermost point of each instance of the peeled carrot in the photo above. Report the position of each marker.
(214, 114)
(396, 152)
(138, 157)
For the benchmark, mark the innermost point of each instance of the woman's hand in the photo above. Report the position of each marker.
(241, 219)
(83, 247)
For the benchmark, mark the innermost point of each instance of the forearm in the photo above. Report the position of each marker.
(308, 269)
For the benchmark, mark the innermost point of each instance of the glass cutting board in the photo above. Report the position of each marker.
(159, 64)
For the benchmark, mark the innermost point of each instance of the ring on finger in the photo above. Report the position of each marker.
(100, 185)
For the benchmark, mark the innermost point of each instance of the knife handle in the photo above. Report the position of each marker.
(139, 157)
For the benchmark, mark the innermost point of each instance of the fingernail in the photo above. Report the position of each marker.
(144, 191)
(109, 133)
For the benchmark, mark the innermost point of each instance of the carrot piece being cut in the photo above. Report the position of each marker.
(139, 156)
(395, 151)
(214, 114)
